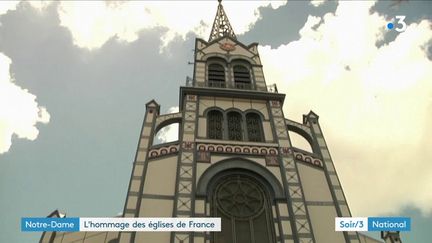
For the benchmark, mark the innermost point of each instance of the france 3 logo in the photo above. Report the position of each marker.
(401, 25)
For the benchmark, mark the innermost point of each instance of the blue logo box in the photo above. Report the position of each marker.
(389, 224)
(50, 224)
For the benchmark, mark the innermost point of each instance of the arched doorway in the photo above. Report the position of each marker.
(243, 203)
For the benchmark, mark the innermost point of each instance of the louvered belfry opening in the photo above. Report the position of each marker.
(242, 78)
(216, 76)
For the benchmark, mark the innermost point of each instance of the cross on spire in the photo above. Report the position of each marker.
(221, 25)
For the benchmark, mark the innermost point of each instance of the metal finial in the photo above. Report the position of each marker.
(221, 25)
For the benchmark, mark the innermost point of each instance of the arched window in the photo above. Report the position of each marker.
(254, 128)
(242, 78)
(244, 207)
(234, 126)
(214, 124)
(216, 75)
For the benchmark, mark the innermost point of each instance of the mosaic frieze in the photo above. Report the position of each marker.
(274, 103)
(191, 97)
(188, 145)
(301, 156)
(237, 149)
(298, 155)
(170, 149)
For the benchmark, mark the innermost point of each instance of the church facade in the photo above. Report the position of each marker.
(233, 159)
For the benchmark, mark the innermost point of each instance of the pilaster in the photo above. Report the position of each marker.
(296, 226)
(184, 196)
(339, 199)
(136, 183)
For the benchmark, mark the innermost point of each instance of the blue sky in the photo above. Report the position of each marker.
(75, 77)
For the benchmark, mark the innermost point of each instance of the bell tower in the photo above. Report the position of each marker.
(234, 158)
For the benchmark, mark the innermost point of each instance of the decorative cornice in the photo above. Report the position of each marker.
(231, 93)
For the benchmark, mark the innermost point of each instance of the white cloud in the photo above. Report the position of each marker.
(169, 133)
(317, 3)
(11, 5)
(7, 5)
(40, 5)
(93, 23)
(19, 111)
(375, 103)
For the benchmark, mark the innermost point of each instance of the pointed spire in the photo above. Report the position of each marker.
(221, 25)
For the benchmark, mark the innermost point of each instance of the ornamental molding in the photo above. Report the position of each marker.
(307, 158)
(237, 149)
(227, 46)
(162, 151)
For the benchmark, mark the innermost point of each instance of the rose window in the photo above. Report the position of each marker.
(240, 197)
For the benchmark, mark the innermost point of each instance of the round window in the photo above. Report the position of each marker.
(240, 197)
